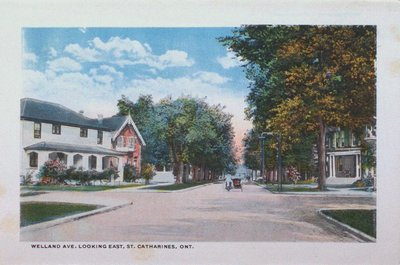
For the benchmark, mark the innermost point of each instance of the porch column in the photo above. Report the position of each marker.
(330, 166)
(121, 168)
(70, 160)
(85, 162)
(334, 165)
(42, 158)
(357, 166)
(99, 163)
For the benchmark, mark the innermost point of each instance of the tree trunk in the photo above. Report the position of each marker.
(180, 173)
(194, 173)
(201, 173)
(321, 155)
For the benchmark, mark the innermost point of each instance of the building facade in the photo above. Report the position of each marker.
(51, 131)
(345, 157)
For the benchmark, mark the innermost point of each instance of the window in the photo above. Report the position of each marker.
(354, 140)
(56, 129)
(84, 132)
(131, 142)
(37, 130)
(120, 141)
(99, 137)
(33, 159)
(92, 162)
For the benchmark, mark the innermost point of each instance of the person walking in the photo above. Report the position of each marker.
(228, 182)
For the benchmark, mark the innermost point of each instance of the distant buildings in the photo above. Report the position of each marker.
(51, 131)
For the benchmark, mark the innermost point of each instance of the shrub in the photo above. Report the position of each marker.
(108, 173)
(293, 174)
(129, 173)
(27, 179)
(148, 172)
(52, 171)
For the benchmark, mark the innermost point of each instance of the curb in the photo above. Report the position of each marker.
(355, 232)
(71, 218)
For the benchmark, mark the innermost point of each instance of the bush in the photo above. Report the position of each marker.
(108, 173)
(293, 174)
(148, 172)
(130, 174)
(53, 171)
(361, 183)
(28, 178)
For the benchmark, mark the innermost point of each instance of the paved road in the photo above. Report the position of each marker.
(207, 213)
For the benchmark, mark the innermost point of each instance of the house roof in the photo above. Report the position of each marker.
(38, 110)
(73, 148)
(44, 111)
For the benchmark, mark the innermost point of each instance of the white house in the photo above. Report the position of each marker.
(52, 131)
(344, 154)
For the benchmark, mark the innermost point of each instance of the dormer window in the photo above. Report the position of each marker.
(84, 132)
(56, 129)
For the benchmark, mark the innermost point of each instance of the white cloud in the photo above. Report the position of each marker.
(93, 94)
(173, 58)
(132, 48)
(210, 77)
(111, 70)
(53, 52)
(230, 60)
(123, 52)
(64, 64)
(29, 57)
(83, 54)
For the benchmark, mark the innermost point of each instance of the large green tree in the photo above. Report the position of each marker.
(308, 78)
(185, 132)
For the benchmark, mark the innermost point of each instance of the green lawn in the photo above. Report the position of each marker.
(37, 212)
(180, 186)
(291, 188)
(77, 188)
(363, 220)
(32, 193)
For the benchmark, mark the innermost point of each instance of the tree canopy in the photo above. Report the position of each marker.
(184, 132)
(308, 78)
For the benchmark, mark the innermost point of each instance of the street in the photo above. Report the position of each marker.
(208, 213)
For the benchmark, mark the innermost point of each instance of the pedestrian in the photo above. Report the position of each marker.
(228, 182)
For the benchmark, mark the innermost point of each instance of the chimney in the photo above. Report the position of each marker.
(81, 112)
(100, 118)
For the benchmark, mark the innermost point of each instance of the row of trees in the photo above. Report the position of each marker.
(304, 80)
(185, 132)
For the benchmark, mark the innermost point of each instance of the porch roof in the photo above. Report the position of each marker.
(71, 148)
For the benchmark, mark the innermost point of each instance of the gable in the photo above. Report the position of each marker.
(128, 128)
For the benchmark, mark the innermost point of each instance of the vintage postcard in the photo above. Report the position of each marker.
(246, 139)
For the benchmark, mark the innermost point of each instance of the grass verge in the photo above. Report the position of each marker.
(38, 212)
(32, 193)
(180, 186)
(77, 188)
(291, 188)
(362, 220)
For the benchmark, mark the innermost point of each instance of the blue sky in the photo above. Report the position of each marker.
(90, 68)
